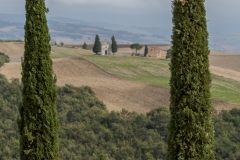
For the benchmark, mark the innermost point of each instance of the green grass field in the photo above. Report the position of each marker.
(149, 70)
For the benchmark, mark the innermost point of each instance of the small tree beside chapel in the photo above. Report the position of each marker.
(114, 45)
(136, 46)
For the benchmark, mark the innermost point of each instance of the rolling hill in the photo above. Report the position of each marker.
(117, 93)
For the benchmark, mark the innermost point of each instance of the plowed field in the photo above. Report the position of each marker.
(115, 92)
(14, 50)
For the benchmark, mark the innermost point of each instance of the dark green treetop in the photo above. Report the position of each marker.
(114, 45)
(145, 50)
(191, 128)
(136, 46)
(84, 46)
(97, 45)
(169, 53)
(38, 122)
(61, 43)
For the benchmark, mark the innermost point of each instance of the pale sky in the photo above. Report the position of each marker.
(223, 15)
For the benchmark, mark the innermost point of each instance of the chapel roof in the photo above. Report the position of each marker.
(105, 42)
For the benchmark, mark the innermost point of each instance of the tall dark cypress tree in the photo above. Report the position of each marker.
(84, 46)
(97, 45)
(191, 128)
(38, 123)
(114, 45)
(145, 50)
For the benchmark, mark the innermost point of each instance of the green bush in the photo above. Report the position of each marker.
(3, 59)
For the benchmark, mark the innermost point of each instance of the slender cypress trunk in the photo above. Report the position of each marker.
(191, 128)
(38, 122)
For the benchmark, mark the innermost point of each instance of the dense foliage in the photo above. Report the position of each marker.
(97, 45)
(89, 131)
(38, 121)
(191, 128)
(3, 59)
(114, 45)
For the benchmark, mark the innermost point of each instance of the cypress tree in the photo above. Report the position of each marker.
(114, 45)
(145, 50)
(97, 45)
(84, 46)
(191, 129)
(38, 123)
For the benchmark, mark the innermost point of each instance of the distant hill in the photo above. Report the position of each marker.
(76, 31)
(69, 30)
(116, 92)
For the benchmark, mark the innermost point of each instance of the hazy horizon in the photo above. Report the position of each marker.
(221, 14)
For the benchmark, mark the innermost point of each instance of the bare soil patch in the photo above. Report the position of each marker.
(226, 73)
(14, 50)
(226, 61)
(116, 93)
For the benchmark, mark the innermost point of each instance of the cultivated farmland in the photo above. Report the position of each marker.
(121, 81)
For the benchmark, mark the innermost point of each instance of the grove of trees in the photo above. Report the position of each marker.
(191, 128)
(89, 131)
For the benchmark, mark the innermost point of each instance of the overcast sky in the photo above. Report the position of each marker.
(223, 15)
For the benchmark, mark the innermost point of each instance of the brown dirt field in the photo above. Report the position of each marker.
(227, 61)
(14, 50)
(116, 93)
(226, 73)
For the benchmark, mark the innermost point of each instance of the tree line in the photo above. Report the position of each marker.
(89, 131)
